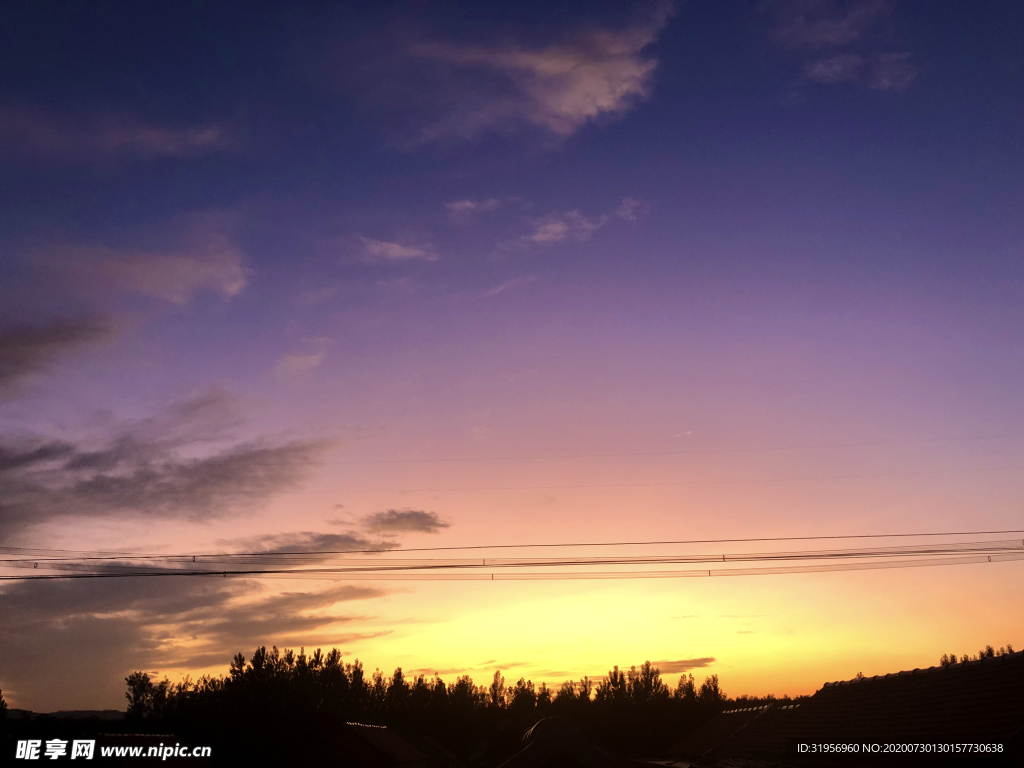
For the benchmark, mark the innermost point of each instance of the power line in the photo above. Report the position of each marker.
(334, 574)
(397, 550)
(360, 565)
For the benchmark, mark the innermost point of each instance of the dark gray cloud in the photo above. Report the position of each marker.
(404, 520)
(70, 644)
(26, 351)
(310, 541)
(180, 463)
(670, 666)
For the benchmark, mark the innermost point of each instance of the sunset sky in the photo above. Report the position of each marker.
(318, 276)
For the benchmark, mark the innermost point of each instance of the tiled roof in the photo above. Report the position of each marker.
(387, 742)
(975, 701)
(979, 700)
(716, 731)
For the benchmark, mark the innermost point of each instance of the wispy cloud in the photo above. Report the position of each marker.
(893, 72)
(631, 209)
(834, 28)
(298, 364)
(385, 251)
(26, 351)
(317, 295)
(671, 666)
(844, 68)
(557, 227)
(204, 257)
(591, 74)
(884, 72)
(465, 207)
(404, 520)
(39, 133)
(825, 23)
(308, 541)
(515, 282)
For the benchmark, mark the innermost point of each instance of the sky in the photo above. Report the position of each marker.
(308, 276)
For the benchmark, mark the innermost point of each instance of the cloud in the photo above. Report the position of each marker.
(310, 541)
(844, 68)
(180, 464)
(384, 251)
(299, 364)
(515, 282)
(888, 71)
(557, 88)
(70, 644)
(39, 133)
(463, 207)
(893, 72)
(564, 226)
(206, 259)
(825, 23)
(317, 295)
(26, 351)
(630, 209)
(670, 667)
(830, 24)
(438, 672)
(408, 520)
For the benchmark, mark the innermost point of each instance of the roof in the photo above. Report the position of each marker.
(980, 700)
(555, 741)
(746, 730)
(388, 744)
(975, 701)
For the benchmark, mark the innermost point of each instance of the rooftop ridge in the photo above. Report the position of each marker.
(757, 709)
(926, 670)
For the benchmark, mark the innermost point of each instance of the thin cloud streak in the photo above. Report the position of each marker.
(571, 225)
(385, 251)
(844, 68)
(670, 667)
(405, 520)
(201, 256)
(38, 133)
(508, 285)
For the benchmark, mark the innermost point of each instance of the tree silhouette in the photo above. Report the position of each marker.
(283, 707)
(3, 706)
(985, 653)
(496, 692)
(685, 690)
(710, 692)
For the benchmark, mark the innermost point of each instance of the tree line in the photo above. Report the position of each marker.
(985, 653)
(286, 703)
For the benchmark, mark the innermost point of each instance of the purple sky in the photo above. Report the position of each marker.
(246, 250)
